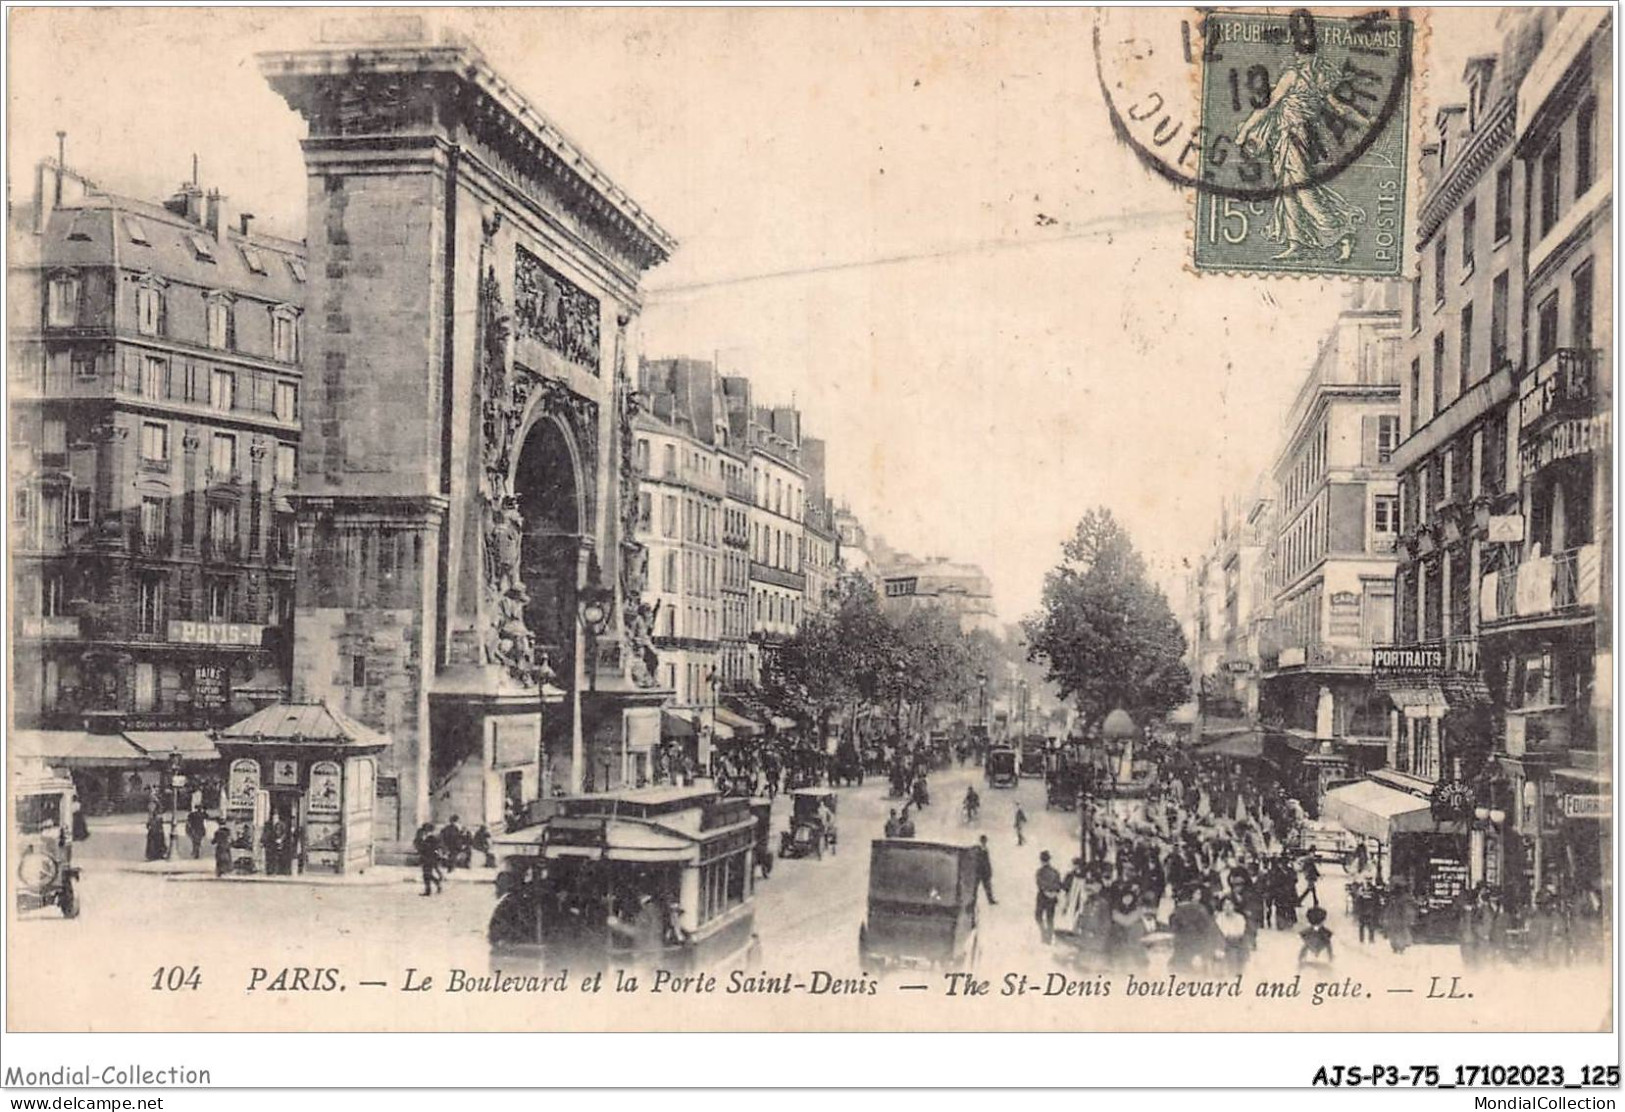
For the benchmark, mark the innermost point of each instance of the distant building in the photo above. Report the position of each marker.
(680, 520)
(820, 540)
(963, 591)
(1336, 520)
(778, 505)
(155, 354)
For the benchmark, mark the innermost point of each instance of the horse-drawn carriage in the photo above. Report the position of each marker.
(846, 768)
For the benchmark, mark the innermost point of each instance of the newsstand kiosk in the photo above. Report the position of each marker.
(300, 780)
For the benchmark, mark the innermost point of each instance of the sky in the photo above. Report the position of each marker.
(915, 223)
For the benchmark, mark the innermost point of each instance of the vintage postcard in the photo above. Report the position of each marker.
(773, 520)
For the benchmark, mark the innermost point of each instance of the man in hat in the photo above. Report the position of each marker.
(984, 870)
(1049, 893)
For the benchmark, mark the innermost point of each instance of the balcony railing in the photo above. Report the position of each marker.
(1543, 585)
(220, 551)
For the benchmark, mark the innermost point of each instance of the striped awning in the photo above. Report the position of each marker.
(75, 749)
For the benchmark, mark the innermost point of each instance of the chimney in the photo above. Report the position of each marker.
(211, 220)
(243, 221)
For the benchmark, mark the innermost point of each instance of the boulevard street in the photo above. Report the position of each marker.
(807, 913)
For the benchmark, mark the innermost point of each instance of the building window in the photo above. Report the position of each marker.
(1416, 303)
(20, 506)
(1551, 185)
(146, 684)
(1580, 314)
(1387, 438)
(223, 391)
(223, 455)
(222, 324)
(1585, 147)
(54, 436)
(358, 670)
(1438, 374)
(53, 519)
(1469, 229)
(287, 465)
(154, 377)
(286, 401)
(136, 231)
(79, 506)
(53, 595)
(1503, 203)
(150, 602)
(668, 515)
(1465, 361)
(297, 268)
(201, 247)
(62, 301)
(668, 461)
(1441, 259)
(1498, 322)
(149, 310)
(642, 456)
(220, 599)
(284, 336)
(154, 519)
(668, 582)
(1546, 329)
(1416, 393)
(223, 523)
(84, 366)
(155, 441)
(646, 510)
(252, 259)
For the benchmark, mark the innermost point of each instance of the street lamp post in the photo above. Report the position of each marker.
(593, 612)
(174, 798)
(713, 681)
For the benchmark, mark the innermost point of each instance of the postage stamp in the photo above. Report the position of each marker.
(1303, 164)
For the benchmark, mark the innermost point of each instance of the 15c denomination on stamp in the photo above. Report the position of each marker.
(1304, 160)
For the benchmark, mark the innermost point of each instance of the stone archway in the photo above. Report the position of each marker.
(547, 493)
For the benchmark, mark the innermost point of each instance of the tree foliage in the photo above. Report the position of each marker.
(1105, 631)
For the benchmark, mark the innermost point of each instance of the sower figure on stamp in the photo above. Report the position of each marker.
(1308, 213)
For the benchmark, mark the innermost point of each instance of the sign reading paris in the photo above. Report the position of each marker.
(1304, 164)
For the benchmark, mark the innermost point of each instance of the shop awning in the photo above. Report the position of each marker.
(1240, 744)
(1419, 697)
(721, 730)
(737, 722)
(189, 745)
(782, 723)
(673, 724)
(1377, 811)
(75, 748)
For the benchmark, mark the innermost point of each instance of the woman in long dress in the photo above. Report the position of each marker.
(1307, 213)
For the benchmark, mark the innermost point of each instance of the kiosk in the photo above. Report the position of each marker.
(300, 781)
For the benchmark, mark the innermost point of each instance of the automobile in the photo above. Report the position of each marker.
(42, 848)
(922, 906)
(1325, 841)
(1032, 761)
(812, 823)
(999, 769)
(655, 876)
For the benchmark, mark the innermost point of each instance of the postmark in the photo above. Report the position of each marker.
(1289, 128)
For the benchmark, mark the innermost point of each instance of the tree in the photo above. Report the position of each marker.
(842, 657)
(1106, 633)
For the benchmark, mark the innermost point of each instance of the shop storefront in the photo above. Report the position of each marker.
(300, 790)
(1426, 853)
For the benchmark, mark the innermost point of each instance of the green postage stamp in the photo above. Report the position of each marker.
(1304, 161)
